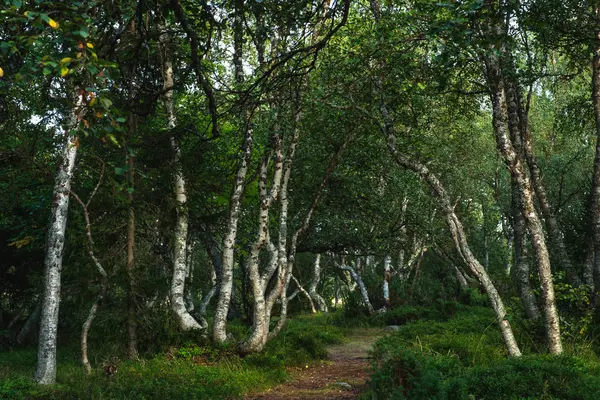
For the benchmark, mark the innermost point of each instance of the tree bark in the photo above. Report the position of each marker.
(521, 263)
(226, 284)
(32, 322)
(260, 323)
(131, 301)
(361, 285)
(532, 220)
(46, 361)
(387, 277)
(312, 288)
(306, 294)
(518, 123)
(185, 319)
(457, 233)
(592, 266)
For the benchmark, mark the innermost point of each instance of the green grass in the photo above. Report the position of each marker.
(191, 371)
(463, 357)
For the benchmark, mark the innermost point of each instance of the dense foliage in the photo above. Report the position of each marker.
(178, 177)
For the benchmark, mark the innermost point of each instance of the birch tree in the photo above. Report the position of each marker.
(46, 363)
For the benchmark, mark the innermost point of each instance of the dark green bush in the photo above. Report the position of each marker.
(464, 358)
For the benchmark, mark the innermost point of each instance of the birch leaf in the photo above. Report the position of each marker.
(64, 71)
(53, 24)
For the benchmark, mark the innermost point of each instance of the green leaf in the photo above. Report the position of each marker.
(83, 34)
(106, 103)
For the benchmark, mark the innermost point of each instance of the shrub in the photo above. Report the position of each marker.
(464, 358)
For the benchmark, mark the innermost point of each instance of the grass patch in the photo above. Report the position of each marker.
(464, 358)
(191, 371)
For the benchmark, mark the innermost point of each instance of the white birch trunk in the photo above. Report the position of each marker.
(226, 284)
(46, 362)
(456, 231)
(305, 293)
(387, 277)
(363, 289)
(180, 267)
(532, 219)
(312, 289)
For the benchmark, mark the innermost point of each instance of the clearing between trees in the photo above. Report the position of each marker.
(342, 376)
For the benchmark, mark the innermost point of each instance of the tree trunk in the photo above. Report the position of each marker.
(532, 220)
(306, 294)
(185, 319)
(131, 301)
(46, 362)
(260, 323)
(521, 264)
(312, 289)
(457, 232)
(518, 123)
(32, 322)
(592, 267)
(226, 284)
(387, 277)
(460, 278)
(361, 285)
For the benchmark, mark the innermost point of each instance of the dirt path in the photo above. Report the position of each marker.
(343, 376)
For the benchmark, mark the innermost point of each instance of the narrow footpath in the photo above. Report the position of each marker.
(343, 376)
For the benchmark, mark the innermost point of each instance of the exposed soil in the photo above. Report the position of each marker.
(343, 376)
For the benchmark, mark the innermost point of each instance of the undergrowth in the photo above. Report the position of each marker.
(463, 357)
(187, 371)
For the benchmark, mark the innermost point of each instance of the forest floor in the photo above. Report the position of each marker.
(343, 376)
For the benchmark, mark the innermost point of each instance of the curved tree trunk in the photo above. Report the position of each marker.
(361, 285)
(46, 362)
(532, 220)
(457, 232)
